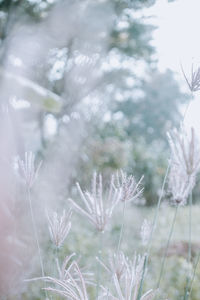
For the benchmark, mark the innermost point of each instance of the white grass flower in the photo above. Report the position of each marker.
(180, 185)
(185, 151)
(71, 283)
(99, 206)
(185, 164)
(194, 80)
(28, 169)
(130, 189)
(59, 227)
(128, 285)
(127, 282)
(116, 264)
(145, 232)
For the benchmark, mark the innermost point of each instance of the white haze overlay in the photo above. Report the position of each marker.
(177, 42)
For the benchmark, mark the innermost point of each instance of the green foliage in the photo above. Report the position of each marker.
(155, 110)
(51, 105)
(35, 9)
(84, 241)
(174, 280)
(132, 36)
(141, 120)
(135, 4)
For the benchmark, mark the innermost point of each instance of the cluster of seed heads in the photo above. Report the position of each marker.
(126, 274)
(99, 204)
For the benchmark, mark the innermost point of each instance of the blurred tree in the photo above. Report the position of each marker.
(58, 69)
(154, 110)
(106, 71)
(141, 120)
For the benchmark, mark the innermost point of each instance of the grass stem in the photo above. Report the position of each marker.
(186, 295)
(194, 274)
(167, 247)
(122, 228)
(100, 247)
(36, 234)
(35, 231)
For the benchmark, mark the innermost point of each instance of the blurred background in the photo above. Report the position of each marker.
(93, 85)
(105, 75)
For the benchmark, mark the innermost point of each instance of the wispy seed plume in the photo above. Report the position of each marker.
(145, 232)
(59, 227)
(71, 283)
(29, 171)
(194, 81)
(99, 204)
(185, 150)
(131, 190)
(128, 283)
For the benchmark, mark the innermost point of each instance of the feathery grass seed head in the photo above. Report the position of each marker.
(59, 227)
(29, 171)
(130, 189)
(180, 185)
(194, 81)
(185, 150)
(145, 232)
(99, 205)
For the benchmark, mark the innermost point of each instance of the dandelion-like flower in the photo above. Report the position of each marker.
(145, 232)
(130, 189)
(59, 227)
(71, 283)
(99, 206)
(185, 151)
(28, 169)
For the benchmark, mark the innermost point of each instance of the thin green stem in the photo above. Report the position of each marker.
(167, 247)
(55, 265)
(186, 110)
(152, 231)
(56, 253)
(186, 295)
(36, 234)
(122, 228)
(155, 219)
(190, 228)
(35, 231)
(194, 274)
(100, 247)
(142, 279)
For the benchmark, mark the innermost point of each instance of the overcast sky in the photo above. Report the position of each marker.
(177, 40)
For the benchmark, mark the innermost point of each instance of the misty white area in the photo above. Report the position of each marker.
(177, 42)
